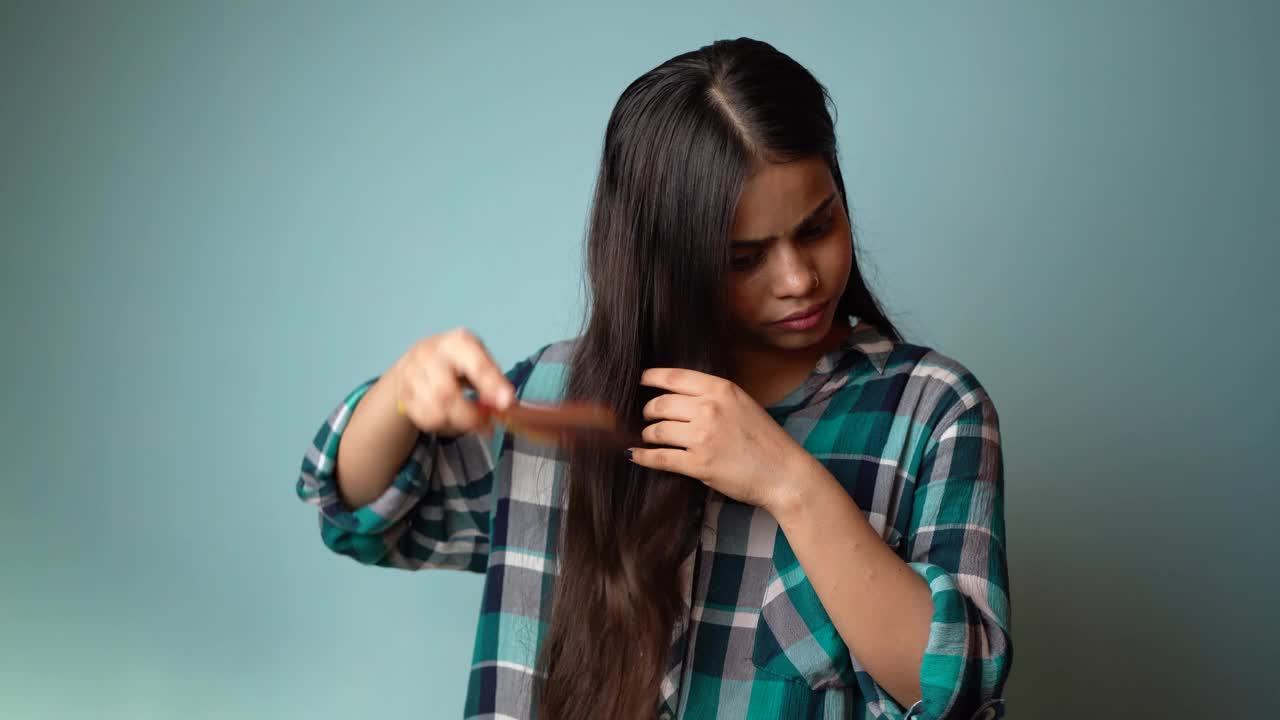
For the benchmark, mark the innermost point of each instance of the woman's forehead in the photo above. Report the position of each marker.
(778, 196)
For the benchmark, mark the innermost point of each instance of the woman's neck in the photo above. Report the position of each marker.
(770, 374)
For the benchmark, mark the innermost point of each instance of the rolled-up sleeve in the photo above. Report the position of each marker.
(956, 543)
(436, 512)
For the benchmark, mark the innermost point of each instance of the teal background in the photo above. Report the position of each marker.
(217, 218)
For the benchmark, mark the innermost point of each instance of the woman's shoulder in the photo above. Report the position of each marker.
(946, 370)
(544, 374)
(944, 382)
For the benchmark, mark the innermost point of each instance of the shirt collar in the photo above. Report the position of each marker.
(864, 338)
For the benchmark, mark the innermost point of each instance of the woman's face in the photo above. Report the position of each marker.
(791, 250)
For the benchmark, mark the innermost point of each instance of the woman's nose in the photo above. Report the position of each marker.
(797, 276)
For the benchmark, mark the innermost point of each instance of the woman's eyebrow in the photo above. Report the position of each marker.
(744, 244)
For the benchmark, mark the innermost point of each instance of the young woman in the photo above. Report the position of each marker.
(814, 525)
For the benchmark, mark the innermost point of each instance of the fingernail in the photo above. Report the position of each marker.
(628, 454)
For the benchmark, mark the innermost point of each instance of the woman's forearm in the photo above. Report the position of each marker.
(881, 608)
(374, 445)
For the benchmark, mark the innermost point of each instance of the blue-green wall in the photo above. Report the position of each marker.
(216, 218)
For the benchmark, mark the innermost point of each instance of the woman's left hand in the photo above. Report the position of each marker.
(720, 435)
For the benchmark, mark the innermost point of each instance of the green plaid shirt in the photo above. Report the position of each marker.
(911, 435)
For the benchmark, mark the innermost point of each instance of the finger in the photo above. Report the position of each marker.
(470, 359)
(675, 461)
(671, 407)
(487, 429)
(465, 416)
(679, 380)
(669, 432)
(438, 394)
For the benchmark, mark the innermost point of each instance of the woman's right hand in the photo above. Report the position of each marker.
(429, 379)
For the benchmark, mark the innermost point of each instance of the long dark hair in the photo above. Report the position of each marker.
(679, 145)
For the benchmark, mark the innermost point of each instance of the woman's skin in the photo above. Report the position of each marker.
(788, 259)
(421, 392)
(721, 435)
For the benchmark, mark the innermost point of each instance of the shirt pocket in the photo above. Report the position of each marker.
(795, 638)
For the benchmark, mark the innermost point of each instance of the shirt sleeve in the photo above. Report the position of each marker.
(956, 544)
(436, 512)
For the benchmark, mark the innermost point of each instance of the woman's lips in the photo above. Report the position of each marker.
(805, 321)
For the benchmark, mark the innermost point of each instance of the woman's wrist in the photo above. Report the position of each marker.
(800, 484)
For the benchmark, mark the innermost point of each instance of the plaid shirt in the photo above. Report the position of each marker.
(910, 434)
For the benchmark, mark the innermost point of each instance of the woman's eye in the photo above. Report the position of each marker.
(746, 262)
(816, 231)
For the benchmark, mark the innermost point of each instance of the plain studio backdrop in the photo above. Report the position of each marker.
(218, 218)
